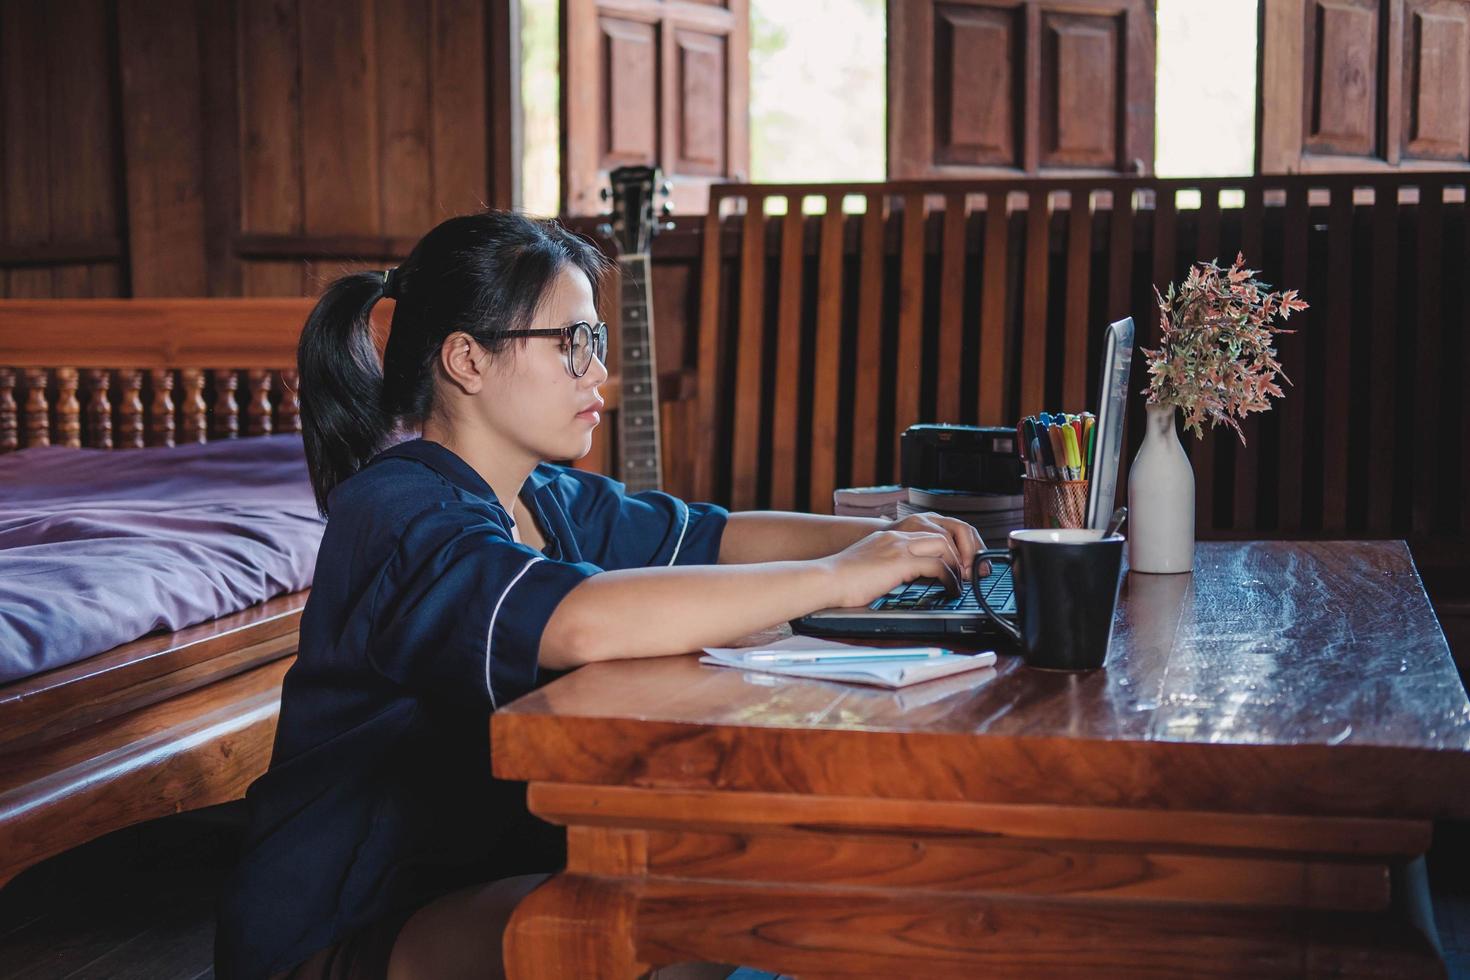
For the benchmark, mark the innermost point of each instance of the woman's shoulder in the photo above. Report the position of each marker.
(577, 490)
(394, 493)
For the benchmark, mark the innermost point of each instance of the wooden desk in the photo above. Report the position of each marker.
(1230, 796)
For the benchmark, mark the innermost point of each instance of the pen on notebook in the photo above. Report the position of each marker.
(778, 657)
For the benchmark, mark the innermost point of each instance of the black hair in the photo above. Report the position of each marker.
(478, 273)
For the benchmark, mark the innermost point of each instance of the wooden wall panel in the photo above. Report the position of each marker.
(1363, 85)
(259, 147)
(659, 82)
(271, 151)
(162, 96)
(628, 113)
(977, 76)
(1080, 71)
(84, 199)
(698, 144)
(1020, 87)
(340, 187)
(60, 210)
(1343, 77)
(1437, 80)
(24, 191)
(405, 118)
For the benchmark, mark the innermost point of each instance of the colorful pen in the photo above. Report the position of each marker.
(1059, 449)
(1074, 455)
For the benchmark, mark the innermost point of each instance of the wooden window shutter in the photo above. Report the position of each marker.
(654, 82)
(1363, 85)
(997, 87)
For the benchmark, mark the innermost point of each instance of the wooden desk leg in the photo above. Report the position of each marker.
(574, 926)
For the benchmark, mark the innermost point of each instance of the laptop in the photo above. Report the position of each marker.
(923, 608)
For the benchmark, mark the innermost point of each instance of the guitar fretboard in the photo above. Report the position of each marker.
(639, 444)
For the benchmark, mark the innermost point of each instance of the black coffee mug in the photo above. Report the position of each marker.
(1066, 582)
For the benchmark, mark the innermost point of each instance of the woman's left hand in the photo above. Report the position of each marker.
(965, 538)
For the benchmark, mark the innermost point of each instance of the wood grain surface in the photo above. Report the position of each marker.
(1234, 794)
(1280, 677)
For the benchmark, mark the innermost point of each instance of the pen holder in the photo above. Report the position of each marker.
(1054, 503)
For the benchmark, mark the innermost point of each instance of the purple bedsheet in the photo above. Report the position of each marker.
(100, 547)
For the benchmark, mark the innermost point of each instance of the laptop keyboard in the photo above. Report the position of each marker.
(928, 593)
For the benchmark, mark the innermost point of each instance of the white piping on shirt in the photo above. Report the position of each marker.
(680, 542)
(490, 634)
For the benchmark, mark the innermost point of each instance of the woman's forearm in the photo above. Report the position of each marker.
(651, 612)
(777, 535)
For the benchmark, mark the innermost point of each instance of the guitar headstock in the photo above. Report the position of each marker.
(633, 222)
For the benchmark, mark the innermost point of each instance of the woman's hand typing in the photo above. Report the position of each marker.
(966, 540)
(873, 565)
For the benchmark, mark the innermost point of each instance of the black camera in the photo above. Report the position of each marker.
(976, 459)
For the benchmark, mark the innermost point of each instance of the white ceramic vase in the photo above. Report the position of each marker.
(1160, 525)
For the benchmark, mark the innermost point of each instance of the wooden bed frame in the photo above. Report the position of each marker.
(173, 721)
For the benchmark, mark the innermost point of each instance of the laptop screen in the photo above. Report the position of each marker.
(1112, 410)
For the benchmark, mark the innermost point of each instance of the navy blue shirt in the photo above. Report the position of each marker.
(424, 616)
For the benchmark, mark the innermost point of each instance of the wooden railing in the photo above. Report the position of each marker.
(125, 373)
(122, 374)
(823, 335)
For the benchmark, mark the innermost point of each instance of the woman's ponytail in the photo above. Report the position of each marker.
(343, 419)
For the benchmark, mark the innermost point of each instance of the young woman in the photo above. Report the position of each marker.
(456, 569)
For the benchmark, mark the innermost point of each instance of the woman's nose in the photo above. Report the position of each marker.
(597, 372)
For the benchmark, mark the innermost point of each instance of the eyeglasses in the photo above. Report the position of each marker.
(581, 340)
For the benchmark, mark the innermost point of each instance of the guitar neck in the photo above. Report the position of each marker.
(639, 443)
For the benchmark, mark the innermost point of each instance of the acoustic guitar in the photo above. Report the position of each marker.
(632, 227)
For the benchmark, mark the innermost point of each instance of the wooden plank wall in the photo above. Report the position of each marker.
(61, 204)
(979, 302)
(177, 148)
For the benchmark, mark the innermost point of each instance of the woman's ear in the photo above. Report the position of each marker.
(464, 362)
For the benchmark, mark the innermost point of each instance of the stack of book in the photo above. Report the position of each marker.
(868, 501)
(994, 515)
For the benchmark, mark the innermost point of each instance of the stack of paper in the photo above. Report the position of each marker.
(868, 501)
(994, 515)
(809, 656)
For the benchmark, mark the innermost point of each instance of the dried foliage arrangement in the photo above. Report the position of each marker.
(1216, 360)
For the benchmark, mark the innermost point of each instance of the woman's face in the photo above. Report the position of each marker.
(534, 400)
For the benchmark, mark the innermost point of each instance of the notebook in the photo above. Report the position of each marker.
(891, 673)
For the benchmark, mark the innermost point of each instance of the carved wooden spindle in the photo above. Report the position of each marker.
(191, 398)
(68, 409)
(99, 409)
(130, 409)
(9, 418)
(161, 415)
(288, 409)
(38, 410)
(226, 408)
(259, 403)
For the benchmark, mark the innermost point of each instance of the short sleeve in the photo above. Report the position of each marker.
(460, 607)
(617, 529)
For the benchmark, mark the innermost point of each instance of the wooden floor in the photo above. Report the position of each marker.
(136, 904)
(140, 903)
